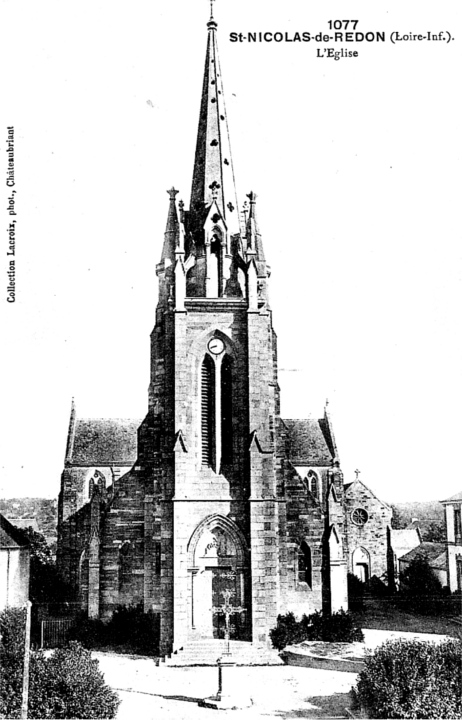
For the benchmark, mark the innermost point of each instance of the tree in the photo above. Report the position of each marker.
(46, 584)
(420, 588)
(399, 521)
(434, 532)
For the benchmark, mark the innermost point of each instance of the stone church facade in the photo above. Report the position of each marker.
(212, 492)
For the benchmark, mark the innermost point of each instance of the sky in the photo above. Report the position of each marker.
(357, 166)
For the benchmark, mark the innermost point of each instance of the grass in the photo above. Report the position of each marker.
(382, 614)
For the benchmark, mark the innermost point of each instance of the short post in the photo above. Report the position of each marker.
(25, 677)
(220, 679)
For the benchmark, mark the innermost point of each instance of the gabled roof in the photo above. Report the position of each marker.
(102, 441)
(347, 487)
(10, 537)
(309, 442)
(435, 553)
(454, 498)
(402, 541)
(29, 522)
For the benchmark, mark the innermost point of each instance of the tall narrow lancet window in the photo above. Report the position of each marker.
(226, 410)
(125, 564)
(208, 410)
(215, 271)
(314, 487)
(304, 564)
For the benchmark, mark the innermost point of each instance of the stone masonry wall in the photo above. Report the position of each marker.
(372, 536)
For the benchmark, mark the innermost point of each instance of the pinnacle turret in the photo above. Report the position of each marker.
(171, 228)
(254, 242)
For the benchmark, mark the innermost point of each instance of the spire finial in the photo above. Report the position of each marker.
(212, 25)
(357, 474)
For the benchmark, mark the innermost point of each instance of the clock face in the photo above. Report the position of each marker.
(216, 346)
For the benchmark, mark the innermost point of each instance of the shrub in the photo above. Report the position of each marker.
(12, 636)
(355, 592)
(133, 627)
(286, 632)
(412, 679)
(66, 685)
(129, 627)
(377, 587)
(90, 633)
(69, 684)
(337, 627)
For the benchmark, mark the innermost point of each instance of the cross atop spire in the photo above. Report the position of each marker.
(211, 9)
(357, 474)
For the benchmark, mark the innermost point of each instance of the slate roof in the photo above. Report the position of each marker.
(457, 496)
(309, 442)
(434, 552)
(9, 535)
(102, 441)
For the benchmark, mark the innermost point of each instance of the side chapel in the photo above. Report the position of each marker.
(212, 491)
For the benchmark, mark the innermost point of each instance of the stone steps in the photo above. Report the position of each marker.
(207, 652)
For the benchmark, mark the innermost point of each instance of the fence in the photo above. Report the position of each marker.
(53, 633)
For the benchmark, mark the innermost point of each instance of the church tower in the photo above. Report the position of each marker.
(213, 499)
(208, 442)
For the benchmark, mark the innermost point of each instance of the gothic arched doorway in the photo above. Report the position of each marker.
(361, 564)
(217, 566)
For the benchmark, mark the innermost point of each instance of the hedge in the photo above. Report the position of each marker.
(130, 628)
(337, 627)
(412, 679)
(69, 684)
(12, 636)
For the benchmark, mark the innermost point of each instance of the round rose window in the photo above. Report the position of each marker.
(359, 516)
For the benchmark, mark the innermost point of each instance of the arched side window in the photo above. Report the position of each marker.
(313, 484)
(226, 410)
(96, 480)
(215, 272)
(208, 410)
(304, 567)
(125, 564)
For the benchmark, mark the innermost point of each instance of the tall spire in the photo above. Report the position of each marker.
(213, 176)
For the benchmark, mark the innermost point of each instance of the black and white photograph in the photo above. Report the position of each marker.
(231, 286)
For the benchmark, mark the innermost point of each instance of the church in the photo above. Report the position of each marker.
(213, 496)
